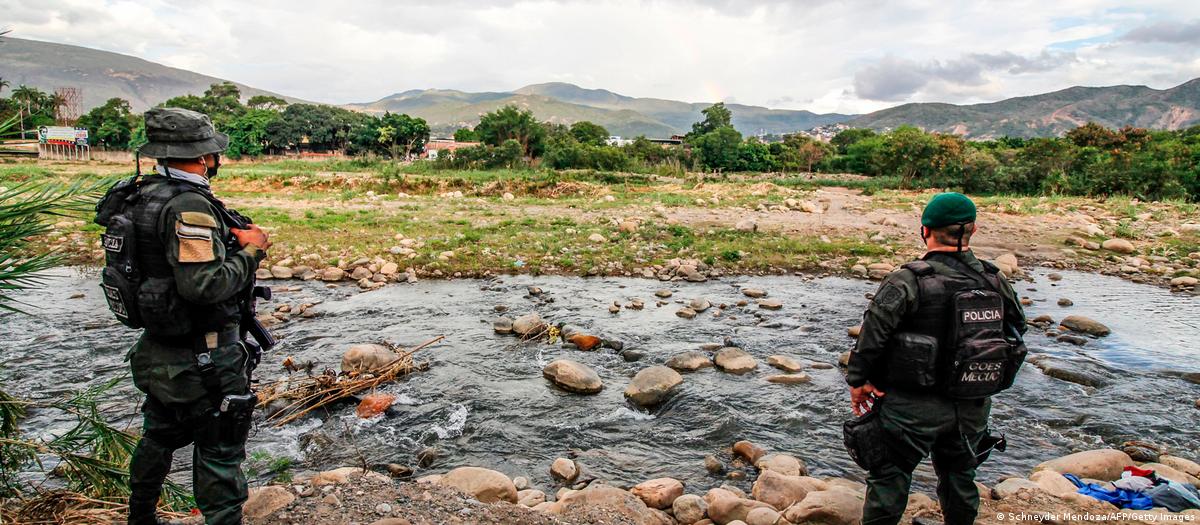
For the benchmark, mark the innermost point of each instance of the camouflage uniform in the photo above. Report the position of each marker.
(180, 405)
(919, 424)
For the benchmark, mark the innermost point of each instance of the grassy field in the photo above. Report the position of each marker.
(473, 223)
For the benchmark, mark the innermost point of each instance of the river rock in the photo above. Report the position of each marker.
(853, 331)
(364, 357)
(770, 304)
(608, 498)
(389, 269)
(689, 509)
(652, 386)
(584, 342)
(530, 497)
(785, 363)
(779, 490)
(1055, 276)
(785, 464)
(262, 274)
(281, 272)
(573, 377)
(1008, 264)
(503, 326)
(663, 294)
(1102, 464)
(1170, 473)
(1118, 245)
(343, 475)
(748, 451)
(564, 470)
(1011, 486)
(263, 501)
(789, 379)
(529, 325)
(699, 304)
(689, 361)
(724, 510)
(754, 293)
(1085, 325)
(1184, 281)
(713, 465)
(333, 274)
(361, 273)
(734, 360)
(762, 516)
(686, 313)
(1064, 302)
(658, 493)
(879, 270)
(1185, 466)
(844, 359)
(487, 486)
(1075, 371)
(1053, 483)
(834, 506)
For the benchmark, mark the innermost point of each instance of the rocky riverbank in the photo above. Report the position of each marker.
(783, 493)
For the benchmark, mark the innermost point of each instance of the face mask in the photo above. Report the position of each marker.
(211, 171)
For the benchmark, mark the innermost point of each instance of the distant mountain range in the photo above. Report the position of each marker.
(102, 75)
(1050, 114)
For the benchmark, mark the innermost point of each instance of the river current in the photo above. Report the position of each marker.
(484, 402)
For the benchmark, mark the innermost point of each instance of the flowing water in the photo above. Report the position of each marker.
(483, 402)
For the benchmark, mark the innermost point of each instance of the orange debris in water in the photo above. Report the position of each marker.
(374, 404)
(584, 342)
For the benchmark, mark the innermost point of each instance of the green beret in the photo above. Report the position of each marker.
(946, 209)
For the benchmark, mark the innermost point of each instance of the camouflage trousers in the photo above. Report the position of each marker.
(217, 456)
(918, 426)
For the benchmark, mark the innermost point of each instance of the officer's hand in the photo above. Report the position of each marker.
(862, 398)
(252, 235)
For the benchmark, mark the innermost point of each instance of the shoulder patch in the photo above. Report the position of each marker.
(198, 218)
(195, 243)
(889, 297)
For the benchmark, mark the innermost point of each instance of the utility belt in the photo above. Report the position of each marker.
(202, 345)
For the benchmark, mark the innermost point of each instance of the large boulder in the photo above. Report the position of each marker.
(264, 501)
(785, 363)
(734, 360)
(361, 358)
(689, 508)
(782, 463)
(1053, 483)
(1079, 323)
(487, 486)
(652, 386)
(1118, 245)
(782, 491)
(658, 493)
(1076, 371)
(724, 509)
(1102, 464)
(689, 361)
(564, 470)
(573, 377)
(748, 451)
(608, 498)
(834, 506)
(762, 516)
(529, 325)
(1185, 466)
(1170, 473)
(1012, 486)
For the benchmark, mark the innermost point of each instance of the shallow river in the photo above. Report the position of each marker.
(484, 403)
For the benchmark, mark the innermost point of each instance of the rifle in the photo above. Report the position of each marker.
(249, 325)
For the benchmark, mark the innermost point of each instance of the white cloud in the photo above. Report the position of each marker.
(851, 56)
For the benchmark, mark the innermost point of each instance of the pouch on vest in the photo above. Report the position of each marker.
(120, 277)
(162, 309)
(912, 362)
(979, 362)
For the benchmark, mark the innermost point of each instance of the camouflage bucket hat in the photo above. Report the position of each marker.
(176, 133)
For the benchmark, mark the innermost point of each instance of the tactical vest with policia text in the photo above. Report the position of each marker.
(137, 280)
(956, 343)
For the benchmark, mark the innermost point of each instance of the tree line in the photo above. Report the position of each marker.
(1089, 160)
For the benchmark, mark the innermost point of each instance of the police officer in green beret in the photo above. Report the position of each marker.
(940, 336)
(190, 360)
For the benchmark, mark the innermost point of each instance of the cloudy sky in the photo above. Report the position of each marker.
(823, 55)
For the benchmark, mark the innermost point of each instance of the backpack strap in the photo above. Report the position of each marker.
(926, 287)
(921, 268)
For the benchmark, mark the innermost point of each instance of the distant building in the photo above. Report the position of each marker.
(675, 140)
(618, 141)
(434, 146)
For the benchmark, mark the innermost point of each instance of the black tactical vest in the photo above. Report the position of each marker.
(138, 281)
(956, 342)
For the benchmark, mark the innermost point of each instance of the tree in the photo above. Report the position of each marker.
(909, 153)
(248, 132)
(465, 135)
(801, 152)
(716, 116)
(510, 123)
(111, 124)
(401, 133)
(848, 137)
(589, 133)
(266, 102)
(1094, 135)
(718, 149)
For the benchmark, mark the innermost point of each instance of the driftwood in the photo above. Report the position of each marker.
(316, 391)
(64, 506)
